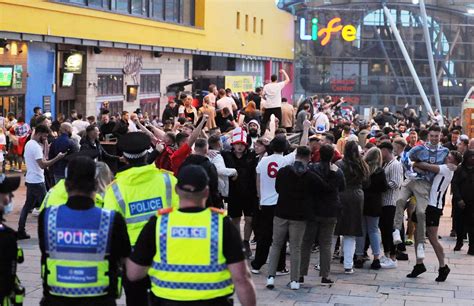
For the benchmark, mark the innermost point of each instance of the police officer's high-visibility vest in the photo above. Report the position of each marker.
(77, 244)
(189, 263)
(58, 196)
(138, 193)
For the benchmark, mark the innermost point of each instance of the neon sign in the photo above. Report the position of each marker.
(348, 32)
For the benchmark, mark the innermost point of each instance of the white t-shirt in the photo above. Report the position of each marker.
(226, 102)
(268, 168)
(33, 152)
(132, 127)
(272, 93)
(439, 186)
(80, 125)
(321, 122)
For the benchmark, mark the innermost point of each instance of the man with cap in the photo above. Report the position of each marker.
(193, 255)
(137, 193)
(81, 245)
(9, 256)
(242, 198)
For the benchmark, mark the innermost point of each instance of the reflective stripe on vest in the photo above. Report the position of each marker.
(103, 236)
(76, 261)
(180, 277)
(169, 191)
(145, 217)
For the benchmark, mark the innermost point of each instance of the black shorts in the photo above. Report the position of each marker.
(433, 215)
(235, 209)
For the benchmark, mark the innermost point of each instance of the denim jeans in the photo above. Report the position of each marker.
(349, 243)
(370, 225)
(35, 194)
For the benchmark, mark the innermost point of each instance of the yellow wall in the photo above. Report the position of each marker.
(219, 33)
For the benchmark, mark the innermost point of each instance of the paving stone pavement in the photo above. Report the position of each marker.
(364, 287)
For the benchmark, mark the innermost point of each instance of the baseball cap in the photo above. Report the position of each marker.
(9, 184)
(192, 178)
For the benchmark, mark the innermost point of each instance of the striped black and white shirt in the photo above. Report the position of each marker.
(440, 185)
(394, 175)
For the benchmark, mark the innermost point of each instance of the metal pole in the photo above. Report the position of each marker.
(407, 59)
(434, 79)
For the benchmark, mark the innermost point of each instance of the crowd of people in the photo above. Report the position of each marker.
(314, 175)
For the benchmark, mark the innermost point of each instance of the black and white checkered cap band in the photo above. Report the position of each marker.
(135, 156)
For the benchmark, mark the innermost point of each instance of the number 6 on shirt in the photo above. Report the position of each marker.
(272, 169)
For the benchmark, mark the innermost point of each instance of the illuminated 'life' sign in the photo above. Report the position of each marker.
(348, 32)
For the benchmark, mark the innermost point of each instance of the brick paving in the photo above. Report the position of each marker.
(364, 287)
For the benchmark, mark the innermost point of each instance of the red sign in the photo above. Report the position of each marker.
(343, 85)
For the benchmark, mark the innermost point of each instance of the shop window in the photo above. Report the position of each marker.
(109, 85)
(99, 3)
(150, 83)
(65, 107)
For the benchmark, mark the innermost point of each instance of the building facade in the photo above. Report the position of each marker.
(123, 54)
(361, 60)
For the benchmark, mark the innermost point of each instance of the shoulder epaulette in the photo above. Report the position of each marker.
(164, 211)
(218, 210)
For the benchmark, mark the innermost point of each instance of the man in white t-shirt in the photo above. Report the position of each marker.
(35, 165)
(225, 101)
(267, 170)
(434, 210)
(272, 94)
(80, 125)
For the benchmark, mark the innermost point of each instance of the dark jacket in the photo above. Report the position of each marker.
(62, 144)
(87, 144)
(170, 113)
(214, 199)
(323, 189)
(121, 128)
(373, 193)
(106, 128)
(8, 259)
(244, 187)
(462, 186)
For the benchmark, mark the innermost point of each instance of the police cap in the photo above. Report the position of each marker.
(192, 178)
(134, 145)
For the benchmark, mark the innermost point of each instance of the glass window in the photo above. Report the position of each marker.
(172, 10)
(137, 7)
(121, 5)
(97, 3)
(150, 83)
(109, 85)
(158, 9)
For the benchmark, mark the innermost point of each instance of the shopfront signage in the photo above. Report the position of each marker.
(17, 77)
(240, 83)
(73, 63)
(343, 85)
(348, 32)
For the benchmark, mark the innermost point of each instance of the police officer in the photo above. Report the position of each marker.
(137, 193)
(57, 195)
(193, 255)
(8, 246)
(81, 245)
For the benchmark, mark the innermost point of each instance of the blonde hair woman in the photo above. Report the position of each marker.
(372, 209)
(104, 177)
(188, 111)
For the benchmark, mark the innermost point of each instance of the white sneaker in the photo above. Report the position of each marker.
(294, 285)
(397, 239)
(383, 259)
(389, 264)
(420, 251)
(270, 282)
(255, 271)
(35, 212)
